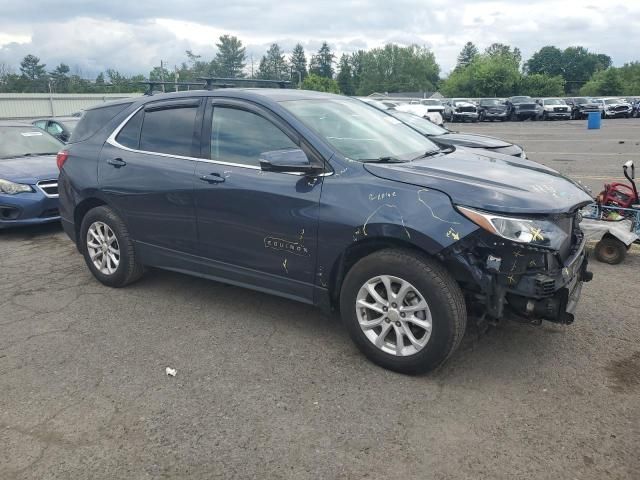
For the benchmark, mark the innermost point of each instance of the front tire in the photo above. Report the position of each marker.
(403, 310)
(108, 249)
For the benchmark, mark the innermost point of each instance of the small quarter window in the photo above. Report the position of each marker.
(129, 136)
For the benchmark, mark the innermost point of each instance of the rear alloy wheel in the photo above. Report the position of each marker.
(108, 249)
(403, 310)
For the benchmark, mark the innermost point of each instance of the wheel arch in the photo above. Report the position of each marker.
(357, 251)
(81, 210)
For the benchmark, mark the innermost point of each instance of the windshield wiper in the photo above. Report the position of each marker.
(385, 160)
(428, 153)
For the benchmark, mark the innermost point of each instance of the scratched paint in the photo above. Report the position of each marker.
(382, 196)
(284, 265)
(433, 214)
(390, 206)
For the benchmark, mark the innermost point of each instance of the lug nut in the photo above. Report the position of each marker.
(387, 320)
(394, 305)
(398, 324)
(402, 314)
(384, 309)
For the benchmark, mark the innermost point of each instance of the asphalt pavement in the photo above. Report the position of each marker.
(268, 388)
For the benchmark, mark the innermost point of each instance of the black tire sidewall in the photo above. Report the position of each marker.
(110, 218)
(441, 342)
(619, 247)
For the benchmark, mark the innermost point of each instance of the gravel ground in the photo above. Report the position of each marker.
(267, 388)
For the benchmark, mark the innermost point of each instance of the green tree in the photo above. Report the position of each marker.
(580, 65)
(322, 62)
(298, 64)
(546, 61)
(467, 55)
(502, 50)
(273, 65)
(541, 85)
(33, 74)
(605, 82)
(231, 56)
(357, 66)
(492, 74)
(60, 78)
(320, 84)
(345, 76)
(393, 68)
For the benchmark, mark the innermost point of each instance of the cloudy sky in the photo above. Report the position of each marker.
(134, 35)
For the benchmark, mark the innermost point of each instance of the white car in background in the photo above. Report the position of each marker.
(421, 110)
(415, 109)
(614, 107)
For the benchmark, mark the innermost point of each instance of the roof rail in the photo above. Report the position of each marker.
(218, 82)
(153, 83)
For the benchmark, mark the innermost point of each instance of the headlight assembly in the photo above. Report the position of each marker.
(11, 188)
(534, 232)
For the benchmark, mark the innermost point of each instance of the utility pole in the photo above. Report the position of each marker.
(176, 77)
(162, 75)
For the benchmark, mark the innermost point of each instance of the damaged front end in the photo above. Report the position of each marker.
(524, 269)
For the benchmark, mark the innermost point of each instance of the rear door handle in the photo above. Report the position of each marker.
(117, 162)
(212, 178)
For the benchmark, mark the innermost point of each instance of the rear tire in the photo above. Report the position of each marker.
(120, 266)
(435, 301)
(610, 250)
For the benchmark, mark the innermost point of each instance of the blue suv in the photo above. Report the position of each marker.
(321, 199)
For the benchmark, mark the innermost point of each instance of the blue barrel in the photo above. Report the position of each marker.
(593, 123)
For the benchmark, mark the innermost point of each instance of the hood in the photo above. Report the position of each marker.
(470, 140)
(29, 169)
(463, 104)
(490, 181)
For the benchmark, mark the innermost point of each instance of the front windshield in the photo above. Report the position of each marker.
(584, 100)
(358, 131)
(611, 101)
(461, 100)
(521, 99)
(423, 125)
(436, 103)
(554, 101)
(490, 102)
(25, 141)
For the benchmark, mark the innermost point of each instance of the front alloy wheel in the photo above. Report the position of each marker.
(103, 248)
(393, 315)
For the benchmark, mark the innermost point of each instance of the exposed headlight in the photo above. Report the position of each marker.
(11, 188)
(535, 232)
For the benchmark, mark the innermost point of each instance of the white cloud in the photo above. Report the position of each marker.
(134, 36)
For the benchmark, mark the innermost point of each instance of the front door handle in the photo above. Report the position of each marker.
(117, 162)
(212, 178)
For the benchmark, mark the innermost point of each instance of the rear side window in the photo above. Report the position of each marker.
(93, 120)
(129, 136)
(169, 130)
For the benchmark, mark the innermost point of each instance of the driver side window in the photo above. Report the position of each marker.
(239, 136)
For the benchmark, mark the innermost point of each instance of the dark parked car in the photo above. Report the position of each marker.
(522, 108)
(322, 199)
(460, 110)
(446, 138)
(492, 109)
(28, 175)
(59, 127)
(581, 106)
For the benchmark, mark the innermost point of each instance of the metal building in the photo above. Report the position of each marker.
(32, 105)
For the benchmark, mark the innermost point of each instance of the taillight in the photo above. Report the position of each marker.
(61, 158)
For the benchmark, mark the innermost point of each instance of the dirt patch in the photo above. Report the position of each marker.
(625, 373)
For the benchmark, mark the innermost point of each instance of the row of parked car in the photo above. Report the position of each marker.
(516, 108)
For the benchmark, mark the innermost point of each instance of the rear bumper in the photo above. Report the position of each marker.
(70, 229)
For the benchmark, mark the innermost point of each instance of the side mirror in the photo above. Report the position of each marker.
(629, 165)
(288, 161)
